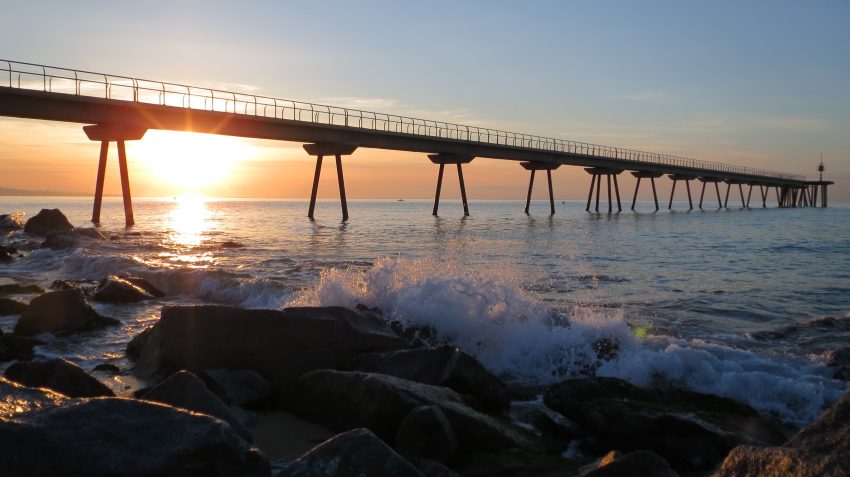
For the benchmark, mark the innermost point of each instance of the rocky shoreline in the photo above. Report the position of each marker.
(319, 391)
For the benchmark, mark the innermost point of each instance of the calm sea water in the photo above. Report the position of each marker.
(730, 302)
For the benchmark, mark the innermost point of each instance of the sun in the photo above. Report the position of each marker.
(191, 161)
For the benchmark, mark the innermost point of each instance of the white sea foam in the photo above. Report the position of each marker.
(517, 336)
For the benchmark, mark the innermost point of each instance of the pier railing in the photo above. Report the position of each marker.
(125, 88)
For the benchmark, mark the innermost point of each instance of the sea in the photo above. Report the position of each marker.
(742, 303)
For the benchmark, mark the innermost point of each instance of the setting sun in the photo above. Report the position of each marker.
(191, 160)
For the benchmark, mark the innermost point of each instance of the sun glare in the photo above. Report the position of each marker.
(191, 160)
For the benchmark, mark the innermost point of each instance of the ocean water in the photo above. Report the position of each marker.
(743, 303)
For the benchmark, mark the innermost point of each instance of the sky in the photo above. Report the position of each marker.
(762, 84)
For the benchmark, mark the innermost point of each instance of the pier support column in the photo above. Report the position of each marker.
(749, 195)
(118, 133)
(445, 158)
(687, 180)
(705, 181)
(597, 173)
(540, 166)
(729, 184)
(320, 150)
(763, 192)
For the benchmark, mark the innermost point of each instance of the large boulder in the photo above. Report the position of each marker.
(60, 311)
(144, 284)
(442, 366)
(425, 433)
(238, 387)
(13, 221)
(279, 344)
(48, 221)
(344, 400)
(114, 289)
(59, 375)
(692, 431)
(356, 453)
(7, 285)
(819, 449)
(7, 254)
(112, 436)
(185, 390)
(9, 306)
(16, 399)
(642, 463)
(14, 346)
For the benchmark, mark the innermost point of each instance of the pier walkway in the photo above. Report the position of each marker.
(120, 108)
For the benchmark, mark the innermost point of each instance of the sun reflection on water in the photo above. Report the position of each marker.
(189, 221)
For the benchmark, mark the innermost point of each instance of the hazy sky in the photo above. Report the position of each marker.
(758, 83)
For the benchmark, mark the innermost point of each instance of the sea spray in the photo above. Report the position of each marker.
(517, 336)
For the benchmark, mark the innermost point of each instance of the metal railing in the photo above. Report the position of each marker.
(115, 87)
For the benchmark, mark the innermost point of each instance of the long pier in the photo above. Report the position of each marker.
(120, 108)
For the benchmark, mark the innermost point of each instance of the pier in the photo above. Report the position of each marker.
(120, 108)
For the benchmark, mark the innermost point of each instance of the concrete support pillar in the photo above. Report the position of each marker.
(118, 133)
(597, 173)
(320, 150)
(442, 159)
(705, 181)
(646, 175)
(540, 166)
(687, 180)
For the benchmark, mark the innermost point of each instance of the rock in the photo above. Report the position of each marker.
(692, 431)
(643, 463)
(344, 400)
(60, 241)
(113, 289)
(8, 285)
(231, 244)
(237, 387)
(11, 307)
(59, 375)
(60, 311)
(89, 232)
(16, 399)
(144, 284)
(187, 391)
(514, 463)
(112, 436)
(356, 453)
(107, 368)
(819, 449)
(280, 345)
(431, 468)
(543, 421)
(48, 221)
(7, 254)
(13, 221)
(425, 433)
(16, 347)
(248, 418)
(443, 366)
(839, 361)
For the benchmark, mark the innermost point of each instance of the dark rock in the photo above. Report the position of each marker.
(113, 289)
(16, 347)
(59, 375)
(692, 431)
(343, 400)
(356, 453)
(425, 433)
(187, 391)
(443, 366)
(13, 221)
(819, 449)
(60, 311)
(280, 345)
(107, 368)
(11, 307)
(60, 241)
(10, 286)
(231, 244)
(513, 463)
(7, 254)
(839, 361)
(430, 468)
(238, 387)
(111, 436)
(16, 399)
(543, 421)
(48, 221)
(248, 418)
(144, 284)
(90, 233)
(642, 463)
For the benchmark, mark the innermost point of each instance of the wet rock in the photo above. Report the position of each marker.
(355, 453)
(144, 284)
(59, 375)
(231, 244)
(442, 366)
(7, 254)
(692, 431)
(111, 436)
(432, 468)
(187, 391)
(13, 221)
(425, 433)
(642, 463)
(819, 449)
(8, 285)
(543, 421)
(839, 361)
(237, 387)
(107, 368)
(89, 232)
(279, 344)
(48, 221)
(87, 286)
(114, 289)
(16, 399)
(60, 241)
(60, 311)
(16, 347)
(343, 400)
(11, 307)
(514, 463)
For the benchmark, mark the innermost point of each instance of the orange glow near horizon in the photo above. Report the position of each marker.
(191, 161)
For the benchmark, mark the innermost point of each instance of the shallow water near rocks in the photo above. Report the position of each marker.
(731, 302)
